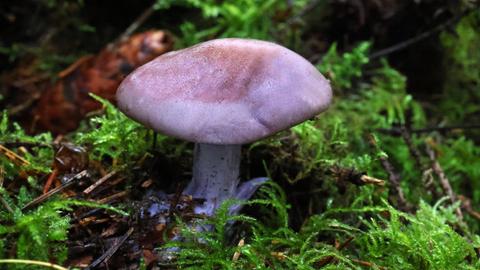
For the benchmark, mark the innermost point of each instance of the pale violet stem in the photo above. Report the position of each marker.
(215, 175)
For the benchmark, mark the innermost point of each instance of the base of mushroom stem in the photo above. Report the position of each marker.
(243, 192)
(157, 204)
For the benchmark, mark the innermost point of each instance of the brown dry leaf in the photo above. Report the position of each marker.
(149, 257)
(110, 230)
(64, 104)
(81, 262)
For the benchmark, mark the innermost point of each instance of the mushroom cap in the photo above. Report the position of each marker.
(225, 91)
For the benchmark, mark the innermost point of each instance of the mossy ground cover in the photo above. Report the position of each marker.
(314, 213)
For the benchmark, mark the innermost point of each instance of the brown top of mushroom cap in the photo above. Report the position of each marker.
(225, 91)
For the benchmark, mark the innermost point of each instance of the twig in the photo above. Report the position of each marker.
(398, 131)
(64, 73)
(407, 137)
(14, 157)
(467, 205)
(2, 176)
(47, 195)
(110, 251)
(329, 259)
(93, 220)
(31, 80)
(113, 197)
(393, 177)
(136, 23)
(237, 253)
(99, 182)
(87, 214)
(355, 177)
(428, 183)
(444, 182)
(32, 262)
(371, 180)
(368, 264)
(28, 144)
(407, 43)
(50, 179)
(6, 205)
(308, 7)
(24, 105)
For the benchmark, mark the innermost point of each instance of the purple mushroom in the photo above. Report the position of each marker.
(221, 94)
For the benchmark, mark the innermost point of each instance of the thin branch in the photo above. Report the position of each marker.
(368, 264)
(113, 197)
(393, 176)
(467, 205)
(32, 262)
(371, 180)
(444, 182)
(99, 182)
(136, 23)
(6, 205)
(429, 183)
(14, 157)
(47, 195)
(49, 181)
(237, 253)
(355, 177)
(329, 259)
(397, 131)
(111, 250)
(407, 137)
(409, 42)
(2, 176)
(308, 8)
(28, 144)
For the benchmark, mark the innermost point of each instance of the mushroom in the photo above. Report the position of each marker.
(221, 94)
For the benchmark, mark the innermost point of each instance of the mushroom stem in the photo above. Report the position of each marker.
(215, 175)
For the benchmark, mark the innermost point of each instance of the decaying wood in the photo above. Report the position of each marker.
(99, 182)
(355, 177)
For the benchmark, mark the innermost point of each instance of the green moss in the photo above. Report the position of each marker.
(235, 18)
(39, 156)
(462, 75)
(421, 241)
(114, 136)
